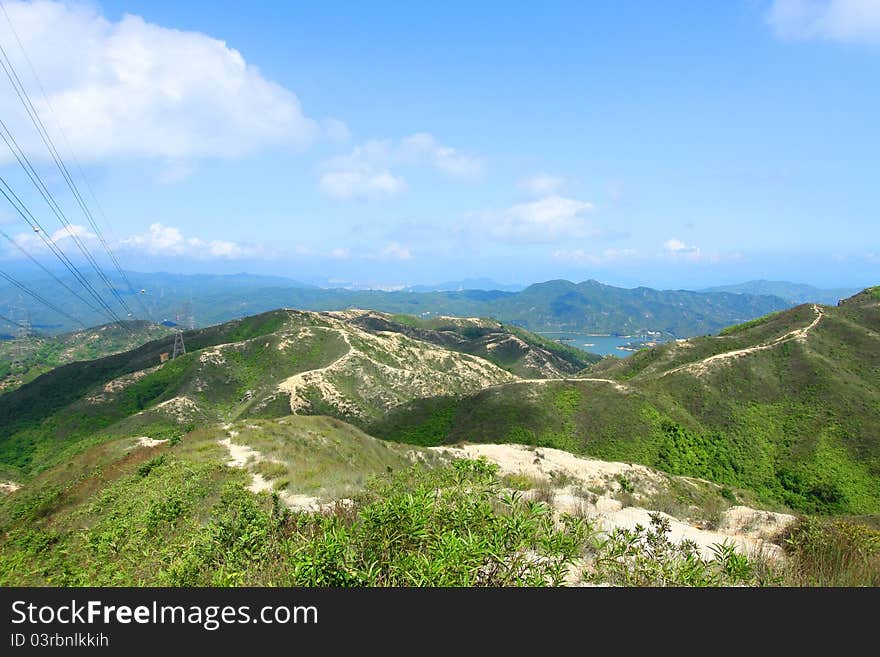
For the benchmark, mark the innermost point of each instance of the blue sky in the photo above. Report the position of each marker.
(677, 144)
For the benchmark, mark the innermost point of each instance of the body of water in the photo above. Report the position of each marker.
(603, 345)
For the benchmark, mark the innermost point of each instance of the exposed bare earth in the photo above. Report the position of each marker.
(362, 379)
(240, 456)
(146, 441)
(7, 487)
(748, 529)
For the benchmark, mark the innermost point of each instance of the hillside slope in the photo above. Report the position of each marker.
(355, 365)
(23, 361)
(795, 293)
(787, 405)
(313, 501)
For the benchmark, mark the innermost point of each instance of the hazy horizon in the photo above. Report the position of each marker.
(451, 282)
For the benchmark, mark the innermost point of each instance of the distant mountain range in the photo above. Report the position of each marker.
(558, 305)
(792, 292)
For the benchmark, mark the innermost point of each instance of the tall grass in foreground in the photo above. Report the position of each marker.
(831, 553)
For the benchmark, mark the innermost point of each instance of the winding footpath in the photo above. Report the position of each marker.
(800, 334)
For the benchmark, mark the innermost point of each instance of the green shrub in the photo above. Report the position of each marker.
(646, 557)
(832, 553)
(625, 484)
(444, 527)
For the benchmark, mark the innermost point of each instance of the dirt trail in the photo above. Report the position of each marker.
(297, 382)
(243, 455)
(702, 366)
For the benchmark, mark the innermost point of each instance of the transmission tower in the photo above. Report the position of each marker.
(179, 347)
(22, 335)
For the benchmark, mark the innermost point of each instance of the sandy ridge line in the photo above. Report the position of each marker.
(571, 379)
(796, 334)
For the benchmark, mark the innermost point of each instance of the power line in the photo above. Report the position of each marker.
(82, 174)
(45, 269)
(34, 177)
(34, 223)
(24, 288)
(23, 96)
(13, 322)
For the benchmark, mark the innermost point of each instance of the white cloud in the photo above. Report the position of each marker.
(366, 172)
(361, 181)
(545, 220)
(341, 253)
(395, 251)
(32, 241)
(676, 246)
(133, 89)
(72, 230)
(680, 251)
(422, 148)
(542, 184)
(832, 20)
(161, 240)
(582, 257)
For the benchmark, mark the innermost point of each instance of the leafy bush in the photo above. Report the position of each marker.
(445, 527)
(625, 484)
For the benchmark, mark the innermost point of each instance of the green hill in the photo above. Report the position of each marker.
(787, 405)
(354, 365)
(792, 292)
(23, 361)
(289, 448)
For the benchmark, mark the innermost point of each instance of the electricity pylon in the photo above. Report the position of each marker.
(179, 347)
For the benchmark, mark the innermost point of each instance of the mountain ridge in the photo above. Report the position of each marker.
(349, 364)
(786, 405)
(555, 305)
(796, 293)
